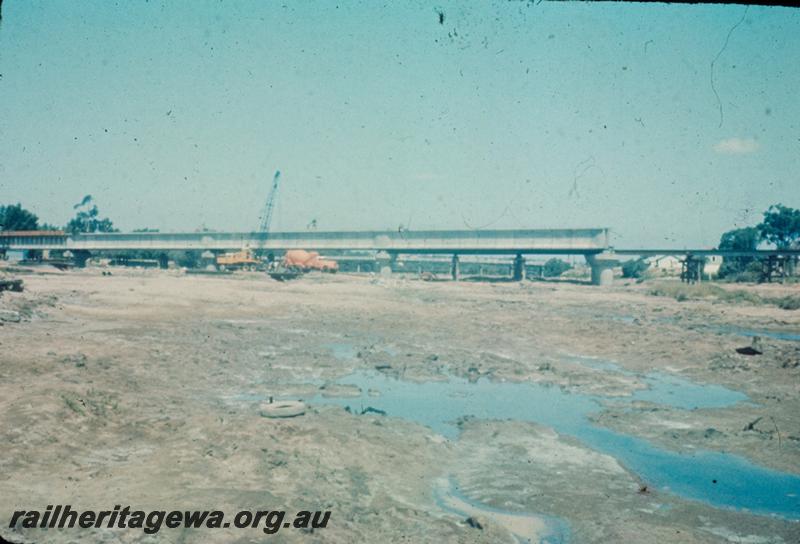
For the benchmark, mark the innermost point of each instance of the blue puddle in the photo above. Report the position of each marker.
(737, 331)
(720, 479)
(675, 391)
(668, 389)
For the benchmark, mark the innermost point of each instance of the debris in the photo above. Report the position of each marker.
(283, 409)
(643, 489)
(10, 316)
(751, 426)
(474, 522)
(371, 410)
(748, 350)
(754, 348)
(11, 285)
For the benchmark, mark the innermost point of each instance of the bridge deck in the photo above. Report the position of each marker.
(563, 241)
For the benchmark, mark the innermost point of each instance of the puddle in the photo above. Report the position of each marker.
(733, 329)
(525, 527)
(740, 331)
(723, 480)
(669, 389)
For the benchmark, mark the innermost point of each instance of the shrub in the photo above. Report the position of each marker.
(635, 268)
(555, 267)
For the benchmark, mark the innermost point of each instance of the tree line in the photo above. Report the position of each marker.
(87, 219)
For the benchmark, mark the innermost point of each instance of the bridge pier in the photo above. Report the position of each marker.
(163, 260)
(81, 256)
(455, 269)
(386, 263)
(519, 268)
(602, 265)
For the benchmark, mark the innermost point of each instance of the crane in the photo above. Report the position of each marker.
(247, 259)
(266, 215)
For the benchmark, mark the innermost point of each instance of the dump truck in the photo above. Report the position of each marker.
(239, 260)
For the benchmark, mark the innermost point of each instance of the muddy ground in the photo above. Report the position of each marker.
(141, 388)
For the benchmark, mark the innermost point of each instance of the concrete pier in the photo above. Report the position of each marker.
(602, 265)
(519, 268)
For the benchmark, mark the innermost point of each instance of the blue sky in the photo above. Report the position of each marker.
(510, 114)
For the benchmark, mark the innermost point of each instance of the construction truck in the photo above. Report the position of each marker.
(297, 262)
(299, 259)
(239, 260)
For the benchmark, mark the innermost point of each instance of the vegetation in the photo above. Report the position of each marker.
(746, 239)
(554, 267)
(634, 268)
(705, 291)
(88, 219)
(781, 226)
(15, 217)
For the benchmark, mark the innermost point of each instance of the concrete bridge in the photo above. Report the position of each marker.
(497, 242)
(591, 242)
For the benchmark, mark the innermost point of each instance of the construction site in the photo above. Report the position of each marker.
(361, 272)
(414, 385)
(417, 410)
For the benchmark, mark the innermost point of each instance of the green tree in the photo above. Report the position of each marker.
(555, 267)
(745, 239)
(88, 219)
(781, 226)
(634, 268)
(15, 217)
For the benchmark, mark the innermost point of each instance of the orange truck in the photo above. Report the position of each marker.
(300, 259)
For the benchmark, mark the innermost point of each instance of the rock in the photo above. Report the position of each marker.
(474, 522)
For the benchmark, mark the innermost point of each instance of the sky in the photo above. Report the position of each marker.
(669, 124)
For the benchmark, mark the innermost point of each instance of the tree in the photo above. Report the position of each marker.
(15, 217)
(781, 226)
(555, 267)
(634, 268)
(746, 239)
(87, 219)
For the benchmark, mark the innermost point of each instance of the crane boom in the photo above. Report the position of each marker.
(266, 215)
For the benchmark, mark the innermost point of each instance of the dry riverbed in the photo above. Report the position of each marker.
(144, 388)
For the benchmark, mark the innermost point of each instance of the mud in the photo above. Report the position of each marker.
(144, 388)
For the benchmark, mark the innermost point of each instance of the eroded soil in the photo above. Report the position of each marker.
(143, 388)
